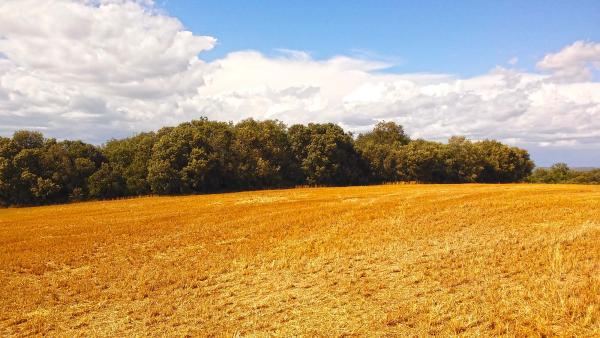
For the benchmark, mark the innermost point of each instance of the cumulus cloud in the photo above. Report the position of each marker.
(573, 63)
(86, 68)
(101, 69)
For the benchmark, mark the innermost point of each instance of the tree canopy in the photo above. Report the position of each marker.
(203, 156)
(561, 173)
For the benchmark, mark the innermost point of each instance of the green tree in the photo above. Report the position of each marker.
(163, 178)
(27, 169)
(463, 161)
(557, 173)
(68, 164)
(503, 164)
(209, 156)
(36, 170)
(130, 157)
(25, 139)
(380, 147)
(44, 190)
(192, 157)
(106, 183)
(327, 155)
(263, 154)
(422, 161)
(586, 177)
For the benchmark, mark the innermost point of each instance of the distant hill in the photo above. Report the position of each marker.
(576, 168)
(584, 168)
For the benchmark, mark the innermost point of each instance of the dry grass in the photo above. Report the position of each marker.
(384, 260)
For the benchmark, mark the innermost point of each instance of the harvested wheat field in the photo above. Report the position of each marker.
(397, 260)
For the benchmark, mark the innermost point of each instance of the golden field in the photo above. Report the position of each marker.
(395, 260)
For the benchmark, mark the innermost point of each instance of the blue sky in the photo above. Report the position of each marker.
(459, 37)
(439, 68)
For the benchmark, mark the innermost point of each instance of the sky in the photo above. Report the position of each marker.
(524, 72)
(465, 38)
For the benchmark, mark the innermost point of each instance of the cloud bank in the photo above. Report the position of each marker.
(100, 69)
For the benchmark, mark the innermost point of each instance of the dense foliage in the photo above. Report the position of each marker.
(206, 156)
(561, 173)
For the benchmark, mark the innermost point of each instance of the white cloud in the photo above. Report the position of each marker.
(573, 63)
(99, 69)
(89, 68)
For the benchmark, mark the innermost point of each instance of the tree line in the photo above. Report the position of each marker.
(204, 156)
(561, 173)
